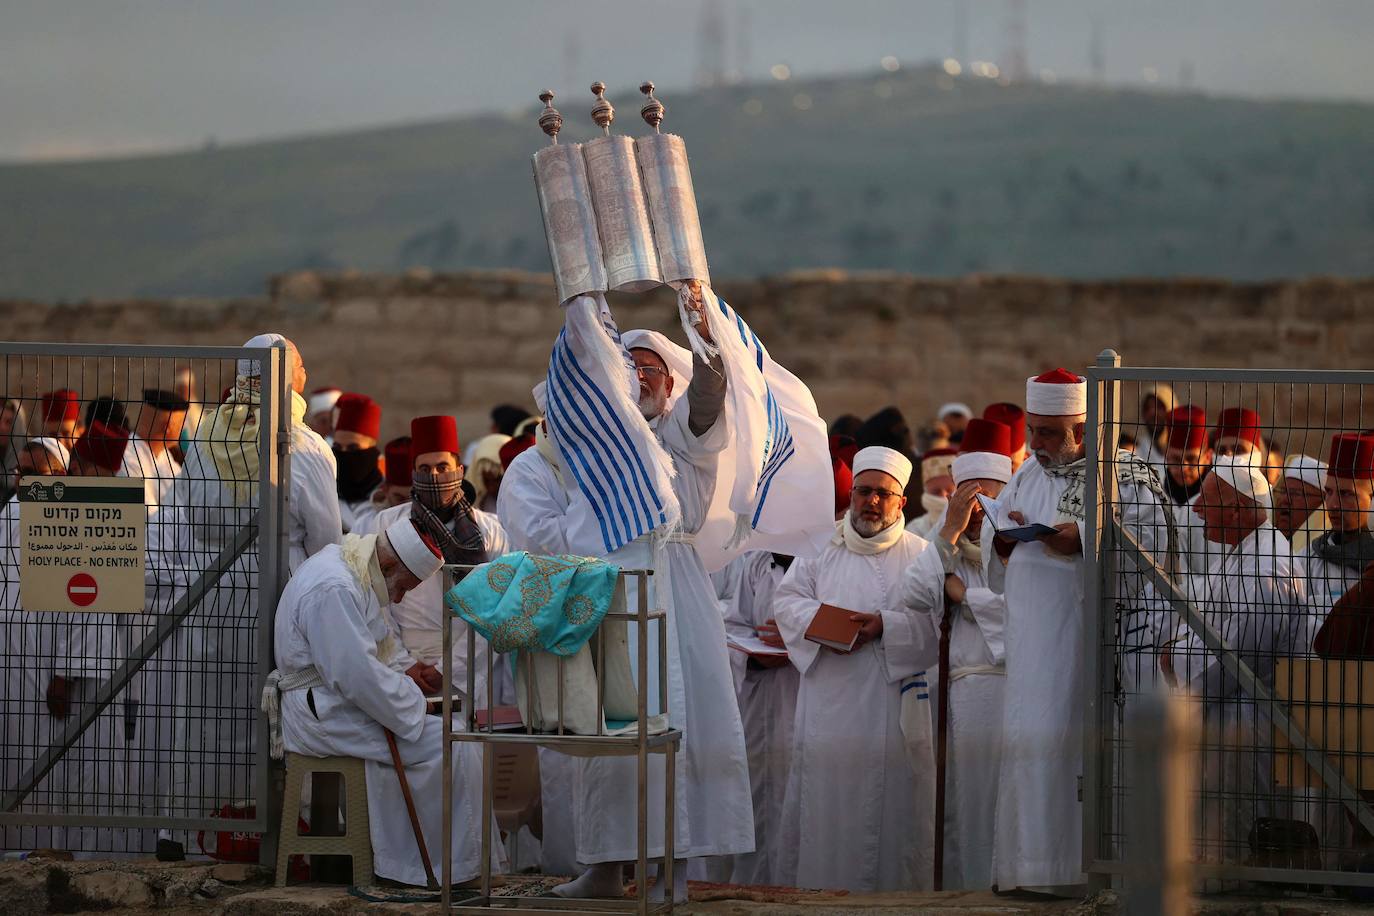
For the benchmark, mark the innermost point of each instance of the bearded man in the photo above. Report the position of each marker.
(1039, 815)
(857, 815)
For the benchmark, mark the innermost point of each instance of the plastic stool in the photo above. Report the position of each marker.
(356, 841)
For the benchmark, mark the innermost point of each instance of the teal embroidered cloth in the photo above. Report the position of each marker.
(523, 601)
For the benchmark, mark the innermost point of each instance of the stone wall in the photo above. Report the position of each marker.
(422, 343)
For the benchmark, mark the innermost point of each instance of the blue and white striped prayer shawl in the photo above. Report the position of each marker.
(775, 475)
(596, 426)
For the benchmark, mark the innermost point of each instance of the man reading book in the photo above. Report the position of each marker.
(851, 815)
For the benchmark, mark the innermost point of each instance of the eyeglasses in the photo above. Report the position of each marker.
(650, 371)
(866, 492)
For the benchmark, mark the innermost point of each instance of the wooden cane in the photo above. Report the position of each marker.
(410, 808)
(941, 743)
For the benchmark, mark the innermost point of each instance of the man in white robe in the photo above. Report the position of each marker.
(1156, 408)
(1256, 603)
(149, 454)
(1332, 563)
(26, 642)
(1299, 495)
(216, 495)
(345, 681)
(1039, 815)
(852, 819)
(952, 575)
(766, 689)
(436, 477)
(543, 511)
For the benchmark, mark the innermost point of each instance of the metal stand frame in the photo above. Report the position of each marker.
(640, 745)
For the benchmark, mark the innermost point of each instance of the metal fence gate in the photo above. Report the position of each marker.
(1229, 619)
(117, 726)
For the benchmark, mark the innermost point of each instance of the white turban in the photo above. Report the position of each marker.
(1058, 393)
(981, 466)
(677, 359)
(880, 458)
(418, 557)
(250, 367)
(1245, 477)
(1160, 391)
(1306, 469)
(324, 400)
(955, 407)
(541, 398)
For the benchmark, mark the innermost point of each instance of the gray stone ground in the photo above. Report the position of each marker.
(145, 888)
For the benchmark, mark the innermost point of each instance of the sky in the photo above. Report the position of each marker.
(114, 77)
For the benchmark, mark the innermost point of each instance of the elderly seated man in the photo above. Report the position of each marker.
(346, 681)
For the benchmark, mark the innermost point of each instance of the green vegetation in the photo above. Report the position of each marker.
(894, 172)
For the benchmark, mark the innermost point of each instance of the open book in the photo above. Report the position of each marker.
(831, 627)
(752, 645)
(1024, 533)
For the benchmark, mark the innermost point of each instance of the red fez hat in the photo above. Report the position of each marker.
(1187, 427)
(1352, 456)
(62, 404)
(844, 484)
(1013, 417)
(843, 449)
(398, 462)
(434, 434)
(360, 415)
(1238, 423)
(986, 436)
(514, 447)
(103, 446)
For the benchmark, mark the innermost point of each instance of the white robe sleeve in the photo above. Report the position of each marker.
(911, 635)
(794, 607)
(334, 623)
(315, 500)
(531, 516)
(990, 613)
(493, 534)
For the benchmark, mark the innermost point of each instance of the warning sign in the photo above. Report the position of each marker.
(82, 544)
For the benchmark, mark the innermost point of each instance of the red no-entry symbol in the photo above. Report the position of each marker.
(81, 589)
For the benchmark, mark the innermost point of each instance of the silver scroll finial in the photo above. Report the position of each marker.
(652, 112)
(602, 112)
(550, 121)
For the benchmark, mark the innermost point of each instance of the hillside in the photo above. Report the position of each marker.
(900, 171)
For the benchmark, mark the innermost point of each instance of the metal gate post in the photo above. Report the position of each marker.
(1099, 498)
(273, 460)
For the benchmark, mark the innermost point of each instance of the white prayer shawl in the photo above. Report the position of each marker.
(1039, 816)
(326, 618)
(622, 473)
(714, 816)
(767, 705)
(852, 818)
(977, 682)
(778, 457)
(418, 616)
(1254, 598)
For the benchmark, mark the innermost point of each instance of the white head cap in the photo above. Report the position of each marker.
(981, 466)
(962, 410)
(419, 557)
(1057, 393)
(1306, 469)
(250, 367)
(1160, 391)
(324, 399)
(880, 458)
(1241, 474)
(541, 398)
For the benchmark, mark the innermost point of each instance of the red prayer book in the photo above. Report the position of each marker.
(831, 627)
(502, 718)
